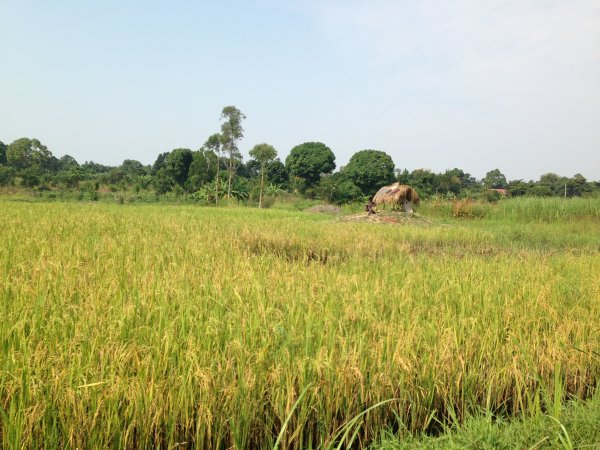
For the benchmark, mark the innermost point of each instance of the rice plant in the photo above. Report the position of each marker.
(176, 326)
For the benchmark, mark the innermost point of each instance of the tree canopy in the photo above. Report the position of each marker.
(263, 153)
(309, 160)
(231, 132)
(178, 164)
(495, 179)
(370, 170)
(24, 153)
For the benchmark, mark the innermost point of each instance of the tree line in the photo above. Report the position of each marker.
(217, 170)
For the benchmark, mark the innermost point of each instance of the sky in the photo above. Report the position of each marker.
(478, 85)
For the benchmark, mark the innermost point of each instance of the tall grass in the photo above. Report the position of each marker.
(528, 209)
(163, 326)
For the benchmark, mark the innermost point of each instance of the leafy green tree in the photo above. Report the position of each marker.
(7, 175)
(403, 176)
(92, 168)
(202, 169)
(456, 181)
(249, 169)
(178, 164)
(577, 186)
(67, 162)
(163, 182)
(133, 168)
(70, 178)
(2, 153)
(308, 161)
(263, 153)
(369, 170)
(540, 190)
(24, 153)
(338, 189)
(214, 144)
(550, 184)
(424, 181)
(495, 179)
(160, 163)
(518, 188)
(277, 174)
(231, 132)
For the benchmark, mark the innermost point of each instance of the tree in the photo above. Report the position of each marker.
(133, 168)
(424, 181)
(577, 186)
(518, 188)
(338, 189)
(162, 181)
(214, 144)
(24, 153)
(178, 164)
(308, 161)
(67, 162)
(263, 153)
(277, 174)
(550, 184)
(7, 175)
(231, 132)
(369, 170)
(160, 163)
(495, 179)
(202, 169)
(2, 153)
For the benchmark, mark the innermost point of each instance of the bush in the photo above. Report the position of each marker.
(7, 175)
(468, 209)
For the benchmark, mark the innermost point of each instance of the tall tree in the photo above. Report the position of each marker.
(214, 144)
(67, 162)
(202, 169)
(231, 132)
(160, 163)
(132, 167)
(370, 170)
(263, 153)
(2, 153)
(24, 153)
(178, 164)
(277, 174)
(308, 161)
(495, 179)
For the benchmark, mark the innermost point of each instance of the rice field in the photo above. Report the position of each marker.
(137, 326)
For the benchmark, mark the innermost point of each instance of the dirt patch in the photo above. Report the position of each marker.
(390, 217)
(327, 209)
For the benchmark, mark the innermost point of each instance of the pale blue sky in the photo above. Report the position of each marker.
(469, 84)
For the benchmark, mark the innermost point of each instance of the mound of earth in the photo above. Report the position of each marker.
(391, 217)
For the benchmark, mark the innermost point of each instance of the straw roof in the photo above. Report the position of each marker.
(396, 194)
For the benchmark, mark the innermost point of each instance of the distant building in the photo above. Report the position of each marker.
(503, 192)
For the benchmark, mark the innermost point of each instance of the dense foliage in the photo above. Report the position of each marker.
(217, 170)
(370, 170)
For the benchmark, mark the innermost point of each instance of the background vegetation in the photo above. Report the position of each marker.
(216, 170)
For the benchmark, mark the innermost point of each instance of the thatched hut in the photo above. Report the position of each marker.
(397, 195)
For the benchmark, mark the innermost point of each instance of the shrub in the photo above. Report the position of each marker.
(468, 209)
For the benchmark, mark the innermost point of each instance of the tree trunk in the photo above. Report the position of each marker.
(230, 175)
(262, 180)
(217, 183)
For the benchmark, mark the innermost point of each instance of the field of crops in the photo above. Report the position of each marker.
(172, 326)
